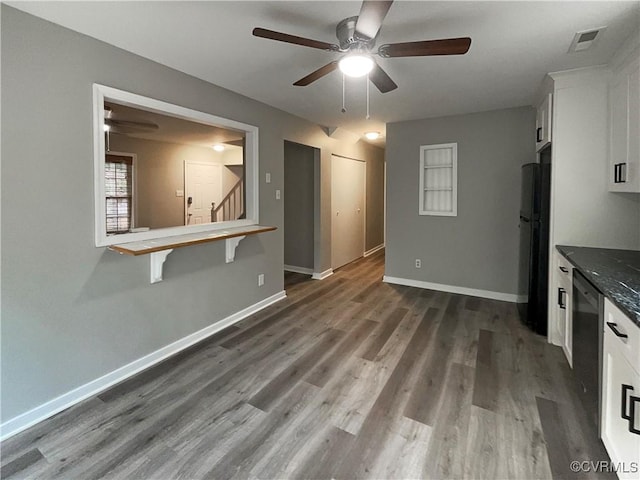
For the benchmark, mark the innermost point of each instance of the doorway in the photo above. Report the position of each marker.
(300, 172)
(203, 185)
(348, 200)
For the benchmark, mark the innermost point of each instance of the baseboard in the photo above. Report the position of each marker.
(293, 268)
(322, 275)
(505, 297)
(46, 410)
(374, 250)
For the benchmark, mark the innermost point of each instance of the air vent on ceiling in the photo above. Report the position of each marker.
(585, 39)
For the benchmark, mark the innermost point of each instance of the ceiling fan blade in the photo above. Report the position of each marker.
(381, 80)
(448, 46)
(141, 126)
(285, 37)
(370, 19)
(313, 76)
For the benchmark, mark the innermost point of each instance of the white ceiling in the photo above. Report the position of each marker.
(514, 44)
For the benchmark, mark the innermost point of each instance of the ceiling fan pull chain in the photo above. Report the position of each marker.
(344, 107)
(367, 96)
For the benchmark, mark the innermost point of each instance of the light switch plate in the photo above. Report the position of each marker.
(268, 178)
(277, 194)
(179, 193)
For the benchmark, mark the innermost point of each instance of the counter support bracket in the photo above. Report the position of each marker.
(230, 248)
(156, 260)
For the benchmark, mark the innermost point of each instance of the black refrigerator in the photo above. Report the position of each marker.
(533, 280)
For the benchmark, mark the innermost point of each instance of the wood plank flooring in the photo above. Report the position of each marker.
(347, 378)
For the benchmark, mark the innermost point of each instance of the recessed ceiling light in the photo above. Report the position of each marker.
(356, 65)
(372, 135)
(218, 148)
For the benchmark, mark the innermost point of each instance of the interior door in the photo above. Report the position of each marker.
(203, 186)
(348, 210)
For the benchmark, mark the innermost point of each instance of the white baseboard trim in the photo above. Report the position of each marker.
(293, 268)
(46, 410)
(374, 250)
(322, 275)
(505, 297)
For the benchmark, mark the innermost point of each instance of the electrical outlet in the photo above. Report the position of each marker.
(418, 263)
(261, 279)
(277, 194)
(267, 178)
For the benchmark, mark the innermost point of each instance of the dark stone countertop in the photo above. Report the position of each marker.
(616, 273)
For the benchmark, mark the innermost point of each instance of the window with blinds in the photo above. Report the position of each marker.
(118, 174)
(439, 179)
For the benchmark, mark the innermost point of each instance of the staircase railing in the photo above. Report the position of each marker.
(231, 207)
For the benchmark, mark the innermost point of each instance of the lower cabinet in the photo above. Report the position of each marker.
(562, 281)
(621, 392)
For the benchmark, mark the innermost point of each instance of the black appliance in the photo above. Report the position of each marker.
(533, 278)
(588, 314)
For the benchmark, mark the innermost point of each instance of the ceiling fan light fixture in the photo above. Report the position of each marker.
(218, 148)
(372, 135)
(356, 65)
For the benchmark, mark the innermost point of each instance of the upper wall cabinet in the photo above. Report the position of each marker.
(543, 123)
(624, 117)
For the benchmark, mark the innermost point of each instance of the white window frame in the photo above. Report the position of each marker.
(102, 93)
(134, 164)
(454, 180)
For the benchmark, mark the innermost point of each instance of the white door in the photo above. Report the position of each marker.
(348, 210)
(203, 185)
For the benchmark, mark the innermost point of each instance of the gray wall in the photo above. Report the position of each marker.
(298, 204)
(478, 248)
(72, 312)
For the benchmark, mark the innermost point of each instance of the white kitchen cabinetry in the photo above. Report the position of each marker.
(543, 123)
(563, 279)
(621, 391)
(580, 196)
(624, 118)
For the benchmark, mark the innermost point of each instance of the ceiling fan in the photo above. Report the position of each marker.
(357, 38)
(118, 125)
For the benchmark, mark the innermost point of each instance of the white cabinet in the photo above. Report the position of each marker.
(624, 137)
(621, 391)
(583, 211)
(562, 281)
(543, 123)
(564, 304)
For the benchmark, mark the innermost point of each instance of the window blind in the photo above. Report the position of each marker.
(118, 192)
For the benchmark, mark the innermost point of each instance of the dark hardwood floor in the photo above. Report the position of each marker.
(346, 378)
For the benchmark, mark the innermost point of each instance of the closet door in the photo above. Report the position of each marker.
(348, 178)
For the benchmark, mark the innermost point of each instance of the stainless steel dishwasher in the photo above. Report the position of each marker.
(588, 314)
